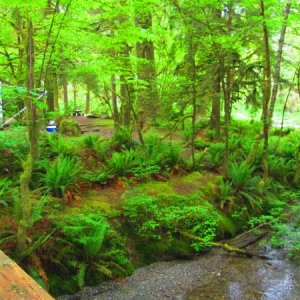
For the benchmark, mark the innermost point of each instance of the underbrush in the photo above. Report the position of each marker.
(157, 220)
(81, 244)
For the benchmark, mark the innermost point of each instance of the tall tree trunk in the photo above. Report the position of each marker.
(55, 92)
(87, 100)
(65, 91)
(193, 74)
(126, 108)
(21, 51)
(276, 77)
(114, 103)
(215, 117)
(147, 95)
(75, 91)
(266, 90)
(226, 83)
(50, 92)
(33, 155)
(227, 65)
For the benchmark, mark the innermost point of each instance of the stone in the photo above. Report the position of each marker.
(69, 127)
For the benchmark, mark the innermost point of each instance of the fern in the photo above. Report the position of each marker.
(122, 163)
(160, 153)
(37, 211)
(87, 231)
(122, 138)
(242, 176)
(61, 175)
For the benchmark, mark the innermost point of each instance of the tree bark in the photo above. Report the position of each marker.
(147, 95)
(33, 133)
(87, 101)
(215, 117)
(114, 103)
(126, 108)
(276, 77)
(55, 92)
(266, 90)
(75, 91)
(50, 93)
(65, 91)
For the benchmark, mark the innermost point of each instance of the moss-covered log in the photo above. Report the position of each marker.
(224, 246)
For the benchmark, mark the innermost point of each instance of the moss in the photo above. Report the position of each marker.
(69, 127)
(181, 249)
(153, 251)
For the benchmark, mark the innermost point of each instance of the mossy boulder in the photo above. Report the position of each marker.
(69, 128)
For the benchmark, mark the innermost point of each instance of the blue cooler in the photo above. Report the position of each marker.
(51, 127)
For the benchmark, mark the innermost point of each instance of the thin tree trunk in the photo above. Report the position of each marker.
(266, 90)
(50, 93)
(286, 101)
(21, 51)
(65, 91)
(227, 98)
(75, 91)
(227, 86)
(276, 77)
(193, 74)
(87, 101)
(215, 117)
(114, 103)
(56, 38)
(126, 108)
(48, 10)
(33, 133)
(55, 92)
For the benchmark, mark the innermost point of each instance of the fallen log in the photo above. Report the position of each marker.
(224, 246)
(251, 236)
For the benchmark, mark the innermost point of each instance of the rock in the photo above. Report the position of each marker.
(69, 127)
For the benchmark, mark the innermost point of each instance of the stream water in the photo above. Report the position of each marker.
(216, 275)
(255, 278)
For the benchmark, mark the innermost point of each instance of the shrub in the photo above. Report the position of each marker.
(5, 186)
(53, 145)
(122, 163)
(213, 158)
(122, 139)
(187, 133)
(160, 153)
(242, 190)
(100, 147)
(201, 144)
(16, 141)
(61, 175)
(85, 230)
(150, 219)
(281, 168)
(102, 177)
(145, 169)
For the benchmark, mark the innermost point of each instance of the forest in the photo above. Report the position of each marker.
(135, 132)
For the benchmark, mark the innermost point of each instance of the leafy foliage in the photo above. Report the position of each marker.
(153, 219)
(5, 186)
(61, 175)
(87, 231)
(122, 163)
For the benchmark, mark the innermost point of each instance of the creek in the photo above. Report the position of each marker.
(215, 275)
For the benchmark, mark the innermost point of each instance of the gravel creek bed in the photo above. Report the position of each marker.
(215, 275)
